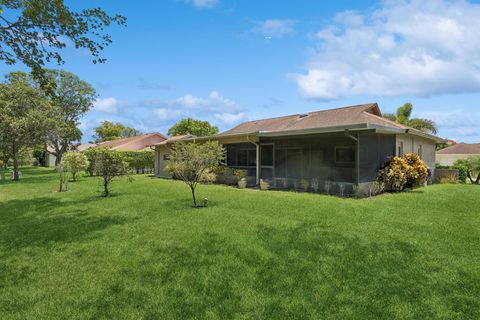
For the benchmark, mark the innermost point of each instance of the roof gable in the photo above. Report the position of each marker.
(462, 148)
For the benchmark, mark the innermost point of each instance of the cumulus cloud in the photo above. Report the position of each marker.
(213, 102)
(415, 47)
(275, 28)
(203, 4)
(106, 105)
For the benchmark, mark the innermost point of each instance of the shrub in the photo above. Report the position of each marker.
(109, 164)
(140, 161)
(417, 170)
(451, 179)
(91, 155)
(264, 185)
(74, 162)
(462, 173)
(394, 173)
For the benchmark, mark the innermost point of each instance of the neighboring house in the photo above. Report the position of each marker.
(459, 151)
(142, 142)
(133, 143)
(50, 158)
(346, 145)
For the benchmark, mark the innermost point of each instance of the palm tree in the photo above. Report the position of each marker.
(403, 117)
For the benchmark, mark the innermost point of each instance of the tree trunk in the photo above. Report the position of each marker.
(478, 179)
(105, 187)
(469, 175)
(16, 176)
(193, 196)
(74, 178)
(58, 158)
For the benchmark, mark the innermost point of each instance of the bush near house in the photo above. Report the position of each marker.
(401, 172)
(74, 162)
(140, 161)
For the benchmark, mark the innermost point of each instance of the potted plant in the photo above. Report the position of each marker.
(264, 185)
(241, 178)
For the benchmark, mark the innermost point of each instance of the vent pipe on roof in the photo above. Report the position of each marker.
(303, 115)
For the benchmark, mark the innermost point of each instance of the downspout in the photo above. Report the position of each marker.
(257, 160)
(357, 153)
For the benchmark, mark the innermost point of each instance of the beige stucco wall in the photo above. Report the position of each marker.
(449, 159)
(160, 162)
(411, 144)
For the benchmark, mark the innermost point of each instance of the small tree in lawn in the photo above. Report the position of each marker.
(109, 164)
(74, 162)
(191, 161)
(472, 166)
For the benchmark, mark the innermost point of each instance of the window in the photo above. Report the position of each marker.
(400, 149)
(344, 154)
(420, 151)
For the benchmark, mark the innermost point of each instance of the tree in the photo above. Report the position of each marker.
(34, 32)
(472, 166)
(403, 117)
(194, 127)
(191, 161)
(70, 99)
(74, 162)
(109, 164)
(111, 131)
(24, 114)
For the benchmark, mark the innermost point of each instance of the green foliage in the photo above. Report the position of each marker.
(451, 179)
(471, 166)
(399, 172)
(240, 173)
(39, 155)
(36, 31)
(109, 164)
(74, 162)
(403, 116)
(190, 162)
(462, 173)
(91, 155)
(193, 127)
(140, 160)
(111, 131)
(71, 98)
(24, 116)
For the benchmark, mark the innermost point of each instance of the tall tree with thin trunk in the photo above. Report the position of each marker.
(24, 116)
(71, 98)
(109, 164)
(190, 162)
(403, 116)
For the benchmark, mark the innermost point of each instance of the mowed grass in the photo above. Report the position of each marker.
(144, 253)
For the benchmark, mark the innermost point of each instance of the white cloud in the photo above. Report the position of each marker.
(413, 47)
(166, 114)
(275, 28)
(231, 118)
(203, 4)
(213, 102)
(455, 123)
(107, 105)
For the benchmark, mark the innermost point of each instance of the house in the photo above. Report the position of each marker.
(344, 146)
(459, 151)
(142, 142)
(133, 143)
(51, 159)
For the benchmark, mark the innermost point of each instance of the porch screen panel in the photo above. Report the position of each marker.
(374, 150)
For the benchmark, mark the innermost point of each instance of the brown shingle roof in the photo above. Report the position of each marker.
(174, 138)
(462, 148)
(359, 114)
(133, 143)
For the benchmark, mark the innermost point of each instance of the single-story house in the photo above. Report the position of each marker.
(341, 146)
(136, 143)
(459, 151)
(50, 159)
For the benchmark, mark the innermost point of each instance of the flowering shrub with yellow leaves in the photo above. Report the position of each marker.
(400, 172)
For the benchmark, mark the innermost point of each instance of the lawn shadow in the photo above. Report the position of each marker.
(303, 272)
(46, 221)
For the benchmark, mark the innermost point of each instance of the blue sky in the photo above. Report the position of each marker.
(229, 61)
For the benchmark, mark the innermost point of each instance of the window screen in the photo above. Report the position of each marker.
(344, 154)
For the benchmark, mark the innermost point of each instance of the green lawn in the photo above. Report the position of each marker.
(144, 253)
